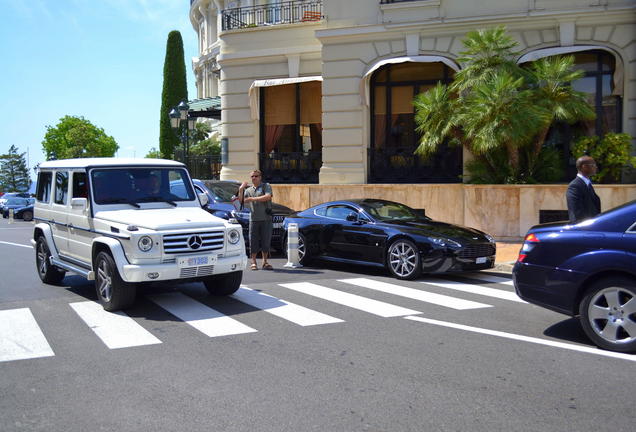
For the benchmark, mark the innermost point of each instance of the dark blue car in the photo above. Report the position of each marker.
(222, 203)
(587, 269)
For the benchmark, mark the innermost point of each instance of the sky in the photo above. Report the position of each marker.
(99, 59)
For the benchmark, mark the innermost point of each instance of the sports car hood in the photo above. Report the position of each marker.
(441, 229)
(163, 218)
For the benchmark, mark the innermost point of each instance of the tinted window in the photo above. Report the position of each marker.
(61, 188)
(339, 212)
(80, 188)
(387, 210)
(321, 211)
(122, 185)
(44, 186)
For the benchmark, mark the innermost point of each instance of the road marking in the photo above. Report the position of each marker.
(21, 337)
(488, 278)
(438, 299)
(522, 338)
(477, 289)
(364, 304)
(17, 244)
(115, 329)
(291, 312)
(208, 321)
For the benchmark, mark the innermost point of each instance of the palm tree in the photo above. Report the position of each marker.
(494, 104)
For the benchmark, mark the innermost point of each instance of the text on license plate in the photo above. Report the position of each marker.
(277, 225)
(196, 261)
(481, 260)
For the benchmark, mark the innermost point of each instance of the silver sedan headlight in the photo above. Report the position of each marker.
(145, 244)
(233, 236)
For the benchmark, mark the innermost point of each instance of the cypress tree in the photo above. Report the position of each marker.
(175, 90)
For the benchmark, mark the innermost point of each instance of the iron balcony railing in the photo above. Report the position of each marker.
(293, 167)
(272, 14)
(401, 165)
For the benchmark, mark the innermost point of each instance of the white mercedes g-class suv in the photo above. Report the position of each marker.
(124, 221)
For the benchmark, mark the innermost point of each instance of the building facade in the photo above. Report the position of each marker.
(320, 91)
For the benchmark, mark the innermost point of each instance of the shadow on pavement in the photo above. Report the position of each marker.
(568, 330)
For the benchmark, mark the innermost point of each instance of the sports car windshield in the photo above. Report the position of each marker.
(136, 185)
(387, 210)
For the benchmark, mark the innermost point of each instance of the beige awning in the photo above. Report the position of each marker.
(254, 93)
(364, 83)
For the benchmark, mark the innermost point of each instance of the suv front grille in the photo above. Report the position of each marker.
(477, 250)
(193, 242)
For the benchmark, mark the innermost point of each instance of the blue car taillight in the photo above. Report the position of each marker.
(527, 246)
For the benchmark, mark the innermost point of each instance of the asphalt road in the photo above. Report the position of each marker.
(322, 348)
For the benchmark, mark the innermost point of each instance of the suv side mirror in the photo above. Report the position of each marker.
(203, 198)
(79, 203)
(352, 217)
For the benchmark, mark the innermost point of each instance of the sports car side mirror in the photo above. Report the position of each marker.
(352, 217)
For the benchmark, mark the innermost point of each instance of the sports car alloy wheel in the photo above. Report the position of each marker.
(608, 315)
(404, 260)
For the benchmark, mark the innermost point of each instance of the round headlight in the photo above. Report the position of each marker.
(233, 236)
(145, 244)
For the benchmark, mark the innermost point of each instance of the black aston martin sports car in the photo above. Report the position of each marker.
(384, 233)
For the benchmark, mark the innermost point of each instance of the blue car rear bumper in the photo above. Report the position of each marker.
(553, 288)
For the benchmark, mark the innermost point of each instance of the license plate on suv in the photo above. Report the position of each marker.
(196, 261)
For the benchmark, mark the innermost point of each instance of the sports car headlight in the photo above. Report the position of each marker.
(445, 242)
(233, 236)
(145, 244)
(490, 238)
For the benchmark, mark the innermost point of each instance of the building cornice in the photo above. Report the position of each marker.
(595, 15)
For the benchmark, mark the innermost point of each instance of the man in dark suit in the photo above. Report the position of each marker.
(583, 203)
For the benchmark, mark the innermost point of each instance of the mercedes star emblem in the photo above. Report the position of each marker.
(195, 242)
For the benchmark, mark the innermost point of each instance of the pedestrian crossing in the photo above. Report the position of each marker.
(21, 337)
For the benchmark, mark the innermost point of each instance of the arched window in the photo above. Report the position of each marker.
(393, 137)
(601, 84)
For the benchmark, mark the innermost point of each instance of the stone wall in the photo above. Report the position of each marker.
(505, 211)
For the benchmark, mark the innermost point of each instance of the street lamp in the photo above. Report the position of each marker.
(182, 125)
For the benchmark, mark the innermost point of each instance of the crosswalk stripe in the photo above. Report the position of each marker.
(208, 321)
(21, 337)
(115, 329)
(291, 312)
(415, 294)
(353, 301)
(489, 278)
(476, 289)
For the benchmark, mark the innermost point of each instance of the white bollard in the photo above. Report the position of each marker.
(293, 260)
(10, 216)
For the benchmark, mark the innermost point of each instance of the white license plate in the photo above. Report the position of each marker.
(195, 261)
(278, 225)
(481, 260)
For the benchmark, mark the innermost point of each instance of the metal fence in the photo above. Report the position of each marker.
(206, 167)
(268, 15)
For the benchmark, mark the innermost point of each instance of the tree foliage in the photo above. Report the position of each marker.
(175, 90)
(154, 153)
(612, 153)
(14, 173)
(201, 143)
(76, 137)
(499, 109)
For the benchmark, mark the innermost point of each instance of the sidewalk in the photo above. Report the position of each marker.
(507, 253)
